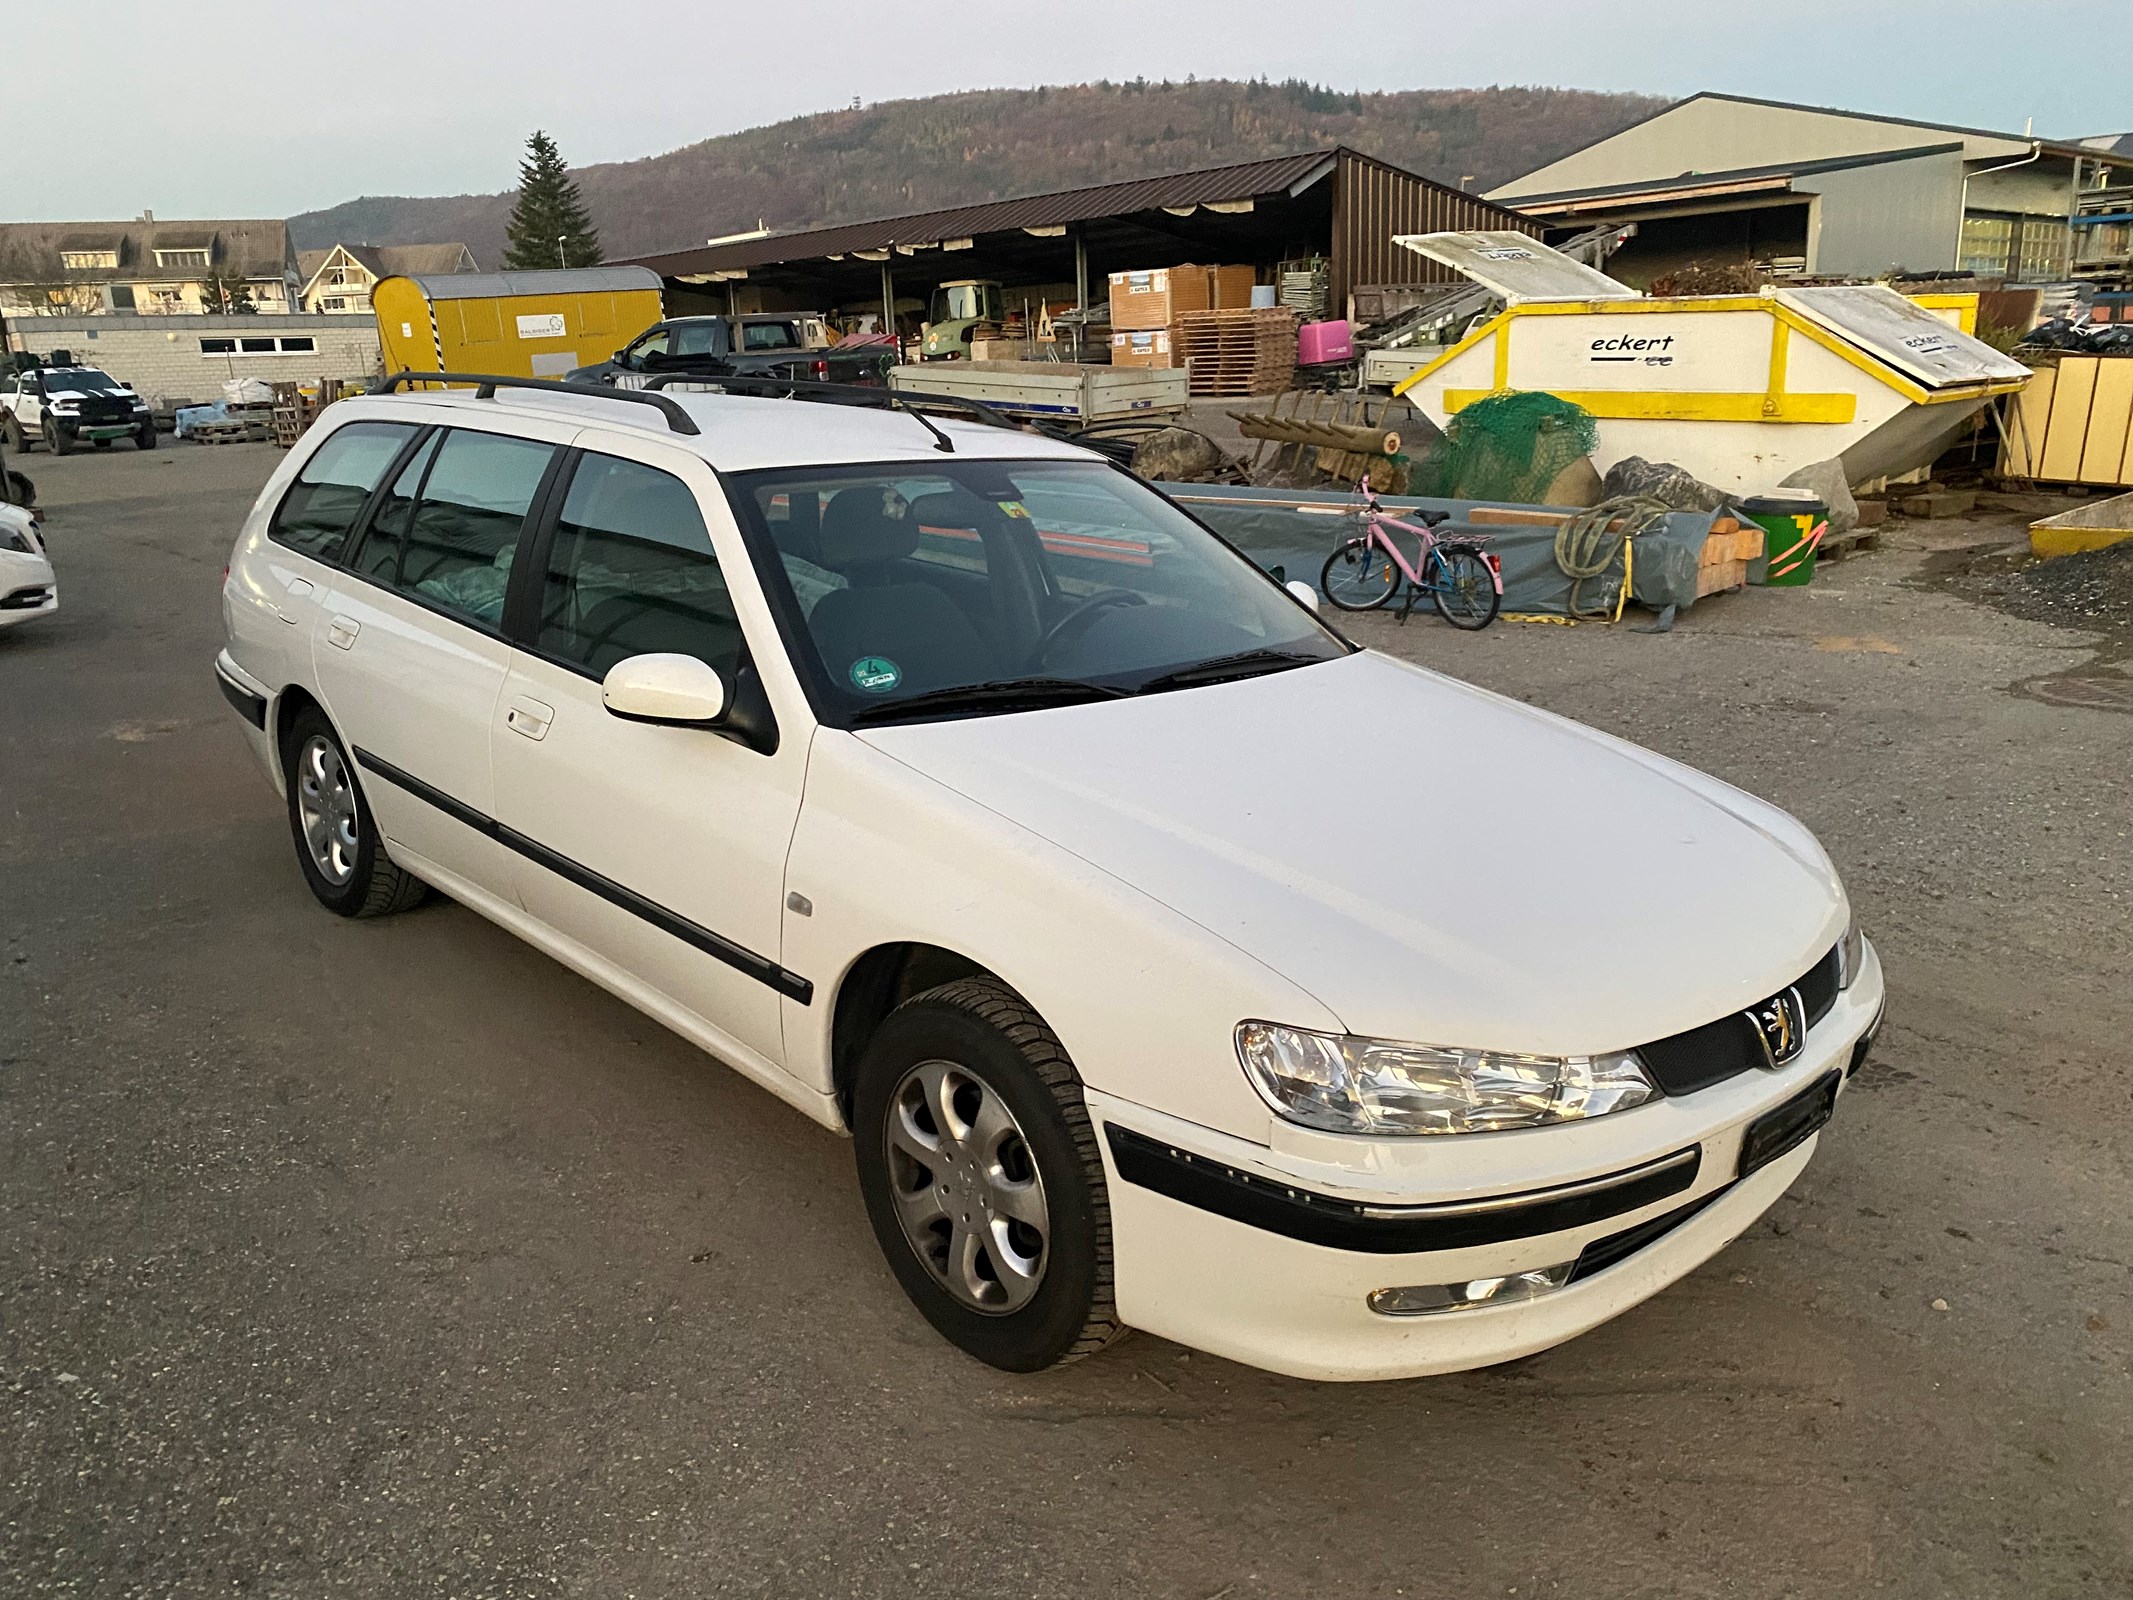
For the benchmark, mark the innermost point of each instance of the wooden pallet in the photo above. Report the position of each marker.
(1236, 353)
(1836, 546)
(239, 431)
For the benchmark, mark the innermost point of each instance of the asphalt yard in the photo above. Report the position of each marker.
(392, 1259)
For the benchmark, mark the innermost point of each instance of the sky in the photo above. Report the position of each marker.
(238, 108)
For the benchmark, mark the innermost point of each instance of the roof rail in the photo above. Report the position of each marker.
(913, 403)
(487, 383)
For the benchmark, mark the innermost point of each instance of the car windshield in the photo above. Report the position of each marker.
(967, 587)
(57, 378)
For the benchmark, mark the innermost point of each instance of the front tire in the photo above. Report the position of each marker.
(57, 439)
(982, 1178)
(1465, 588)
(337, 843)
(1360, 576)
(146, 438)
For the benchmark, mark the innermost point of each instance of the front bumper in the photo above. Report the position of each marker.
(28, 600)
(1249, 1255)
(103, 428)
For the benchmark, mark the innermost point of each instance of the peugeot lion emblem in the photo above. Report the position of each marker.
(1781, 1023)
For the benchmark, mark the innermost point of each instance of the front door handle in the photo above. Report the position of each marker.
(528, 716)
(341, 632)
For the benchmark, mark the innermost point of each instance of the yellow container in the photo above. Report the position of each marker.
(513, 324)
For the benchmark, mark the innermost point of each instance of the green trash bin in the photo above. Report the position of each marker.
(1793, 523)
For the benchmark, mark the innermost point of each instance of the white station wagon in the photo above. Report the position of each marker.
(1172, 963)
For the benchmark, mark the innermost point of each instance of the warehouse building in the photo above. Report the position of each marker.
(1334, 207)
(172, 359)
(1809, 190)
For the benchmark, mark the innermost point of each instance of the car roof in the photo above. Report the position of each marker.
(740, 433)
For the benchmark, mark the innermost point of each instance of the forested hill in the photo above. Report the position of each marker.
(915, 155)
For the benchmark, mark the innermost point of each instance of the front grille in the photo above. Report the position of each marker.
(1720, 1050)
(101, 410)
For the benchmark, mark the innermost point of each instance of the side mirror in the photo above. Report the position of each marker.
(1306, 595)
(664, 688)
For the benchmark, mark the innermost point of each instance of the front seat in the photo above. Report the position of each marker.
(913, 626)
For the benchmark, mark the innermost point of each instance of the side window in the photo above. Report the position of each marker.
(652, 344)
(452, 544)
(696, 339)
(631, 572)
(328, 495)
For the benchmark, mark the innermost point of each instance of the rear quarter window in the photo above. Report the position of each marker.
(322, 505)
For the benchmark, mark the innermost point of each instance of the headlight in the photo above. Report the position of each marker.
(64, 408)
(1850, 953)
(14, 538)
(1376, 1086)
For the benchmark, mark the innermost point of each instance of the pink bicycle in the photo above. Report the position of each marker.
(1364, 573)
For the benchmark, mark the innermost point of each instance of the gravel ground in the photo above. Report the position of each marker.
(392, 1259)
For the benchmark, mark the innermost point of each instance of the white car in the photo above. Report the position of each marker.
(27, 587)
(1173, 964)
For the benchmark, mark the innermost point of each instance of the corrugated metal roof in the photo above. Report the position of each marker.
(503, 285)
(1208, 185)
(1687, 181)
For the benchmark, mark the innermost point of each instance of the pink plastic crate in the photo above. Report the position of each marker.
(1320, 342)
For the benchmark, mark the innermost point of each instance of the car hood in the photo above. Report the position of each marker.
(1431, 861)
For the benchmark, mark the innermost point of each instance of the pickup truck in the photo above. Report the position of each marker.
(761, 345)
(59, 407)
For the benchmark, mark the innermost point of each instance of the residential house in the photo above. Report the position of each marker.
(144, 266)
(339, 280)
(1811, 190)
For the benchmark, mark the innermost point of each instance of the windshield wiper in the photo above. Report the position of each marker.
(998, 694)
(1222, 669)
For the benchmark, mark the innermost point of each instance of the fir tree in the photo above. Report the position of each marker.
(548, 226)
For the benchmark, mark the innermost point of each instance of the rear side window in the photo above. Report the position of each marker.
(631, 571)
(328, 495)
(447, 537)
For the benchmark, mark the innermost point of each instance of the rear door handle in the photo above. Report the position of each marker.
(528, 716)
(341, 632)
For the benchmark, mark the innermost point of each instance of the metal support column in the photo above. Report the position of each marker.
(888, 307)
(1081, 270)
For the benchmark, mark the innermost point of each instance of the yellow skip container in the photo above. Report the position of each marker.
(514, 324)
(1742, 390)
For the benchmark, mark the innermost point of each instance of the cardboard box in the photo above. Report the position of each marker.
(1231, 289)
(1144, 301)
(1147, 348)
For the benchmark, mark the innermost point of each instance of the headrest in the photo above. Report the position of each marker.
(637, 502)
(857, 530)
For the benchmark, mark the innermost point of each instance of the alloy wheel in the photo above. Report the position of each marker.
(966, 1187)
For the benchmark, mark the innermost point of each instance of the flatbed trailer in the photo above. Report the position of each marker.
(1056, 391)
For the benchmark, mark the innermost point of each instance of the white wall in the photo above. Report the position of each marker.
(160, 356)
(1892, 214)
(1712, 135)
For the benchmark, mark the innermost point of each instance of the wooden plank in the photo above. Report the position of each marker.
(2067, 431)
(2026, 416)
(2103, 453)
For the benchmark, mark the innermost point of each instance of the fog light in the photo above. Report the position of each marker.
(1421, 1300)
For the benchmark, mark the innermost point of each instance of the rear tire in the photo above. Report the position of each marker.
(101, 444)
(1467, 597)
(982, 1178)
(11, 433)
(1359, 576)
(337, 843)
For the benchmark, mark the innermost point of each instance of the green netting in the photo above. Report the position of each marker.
(1510, 446)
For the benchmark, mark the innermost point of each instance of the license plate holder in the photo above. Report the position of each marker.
(1774, 1133)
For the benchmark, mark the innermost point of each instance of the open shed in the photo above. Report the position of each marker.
(1334, 203)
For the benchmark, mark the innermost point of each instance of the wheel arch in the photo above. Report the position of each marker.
(292, 702)
(882, 979)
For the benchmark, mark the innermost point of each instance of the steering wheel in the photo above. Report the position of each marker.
(1081, 616)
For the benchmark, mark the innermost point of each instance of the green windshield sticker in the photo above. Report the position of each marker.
(876, 674)
(1015, 508)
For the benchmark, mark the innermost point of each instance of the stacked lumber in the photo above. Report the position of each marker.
(1247, 351)
(1727, 550)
